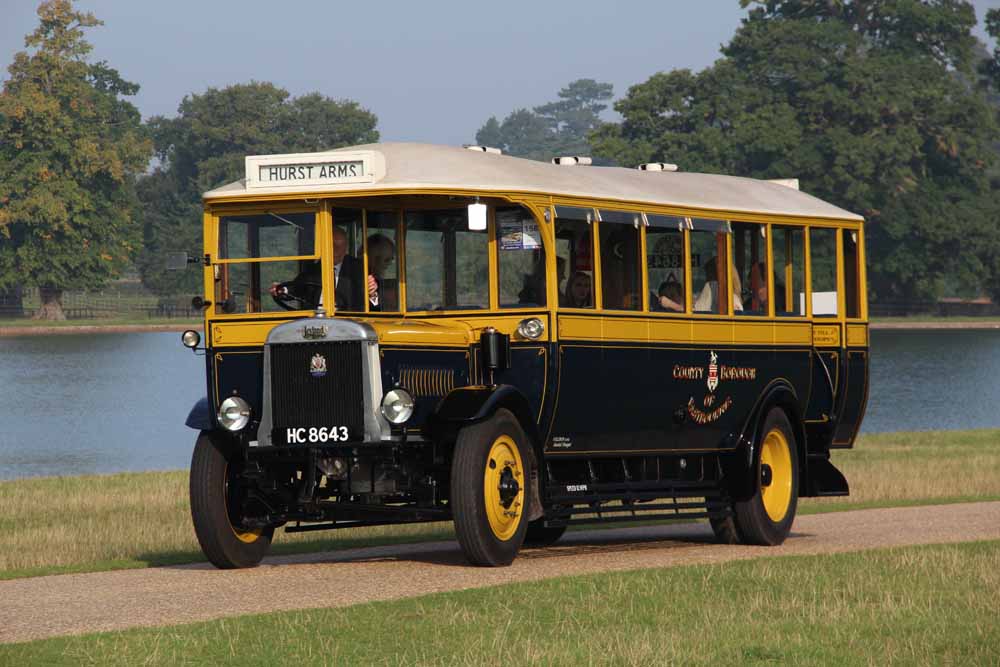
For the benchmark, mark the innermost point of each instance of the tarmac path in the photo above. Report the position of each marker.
(80, 603)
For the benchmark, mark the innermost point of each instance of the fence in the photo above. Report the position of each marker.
(122, 299)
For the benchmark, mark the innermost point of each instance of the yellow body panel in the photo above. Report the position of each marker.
(857, 335)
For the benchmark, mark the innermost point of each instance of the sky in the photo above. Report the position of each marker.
(431, 71)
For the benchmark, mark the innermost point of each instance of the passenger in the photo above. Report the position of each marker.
(670, 297)
(381, 253)
(578, 291)
(708, 299)
(533, 292)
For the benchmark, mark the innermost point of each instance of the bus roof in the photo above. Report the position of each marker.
(391, 167)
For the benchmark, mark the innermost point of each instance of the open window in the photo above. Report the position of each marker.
(575, 250)
(709, 259)
(788, 254)
(665, 263)
(621, 274)
(750, 267)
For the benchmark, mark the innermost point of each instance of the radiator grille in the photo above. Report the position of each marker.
(301, 397)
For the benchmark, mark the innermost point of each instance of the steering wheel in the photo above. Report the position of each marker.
(297, 294)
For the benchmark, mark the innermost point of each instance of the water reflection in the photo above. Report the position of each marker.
(105, 403)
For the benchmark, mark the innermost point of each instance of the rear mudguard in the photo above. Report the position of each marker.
(739, 468)
(200, 418)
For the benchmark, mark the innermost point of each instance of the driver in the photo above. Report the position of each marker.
(306, 288)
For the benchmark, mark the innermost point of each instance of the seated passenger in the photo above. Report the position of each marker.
(533, 292)
(669, 298)
(381, 252)
(578, 291)
(708, 299)
(758, 275)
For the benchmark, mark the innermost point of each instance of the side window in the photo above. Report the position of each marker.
(521, 259)
(348, 269)
(665, 264)
(709, 254)
(852, 293)
(750, 261)
(575, 249)
(788, 252)
(823, 265)
(382, 245)
(621, 280)
(447, 265)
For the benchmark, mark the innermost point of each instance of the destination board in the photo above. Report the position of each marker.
(307, 170)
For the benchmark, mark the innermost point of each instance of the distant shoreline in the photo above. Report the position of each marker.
(45, 330)
(42, 330)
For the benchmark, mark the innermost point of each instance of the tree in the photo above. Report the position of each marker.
(870, 118)
(204, 147)
(556, 128)
(70, 150)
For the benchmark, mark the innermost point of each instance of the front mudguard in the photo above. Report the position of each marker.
(469, 405)
(201, 417)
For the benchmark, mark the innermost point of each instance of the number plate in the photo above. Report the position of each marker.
(311, 435)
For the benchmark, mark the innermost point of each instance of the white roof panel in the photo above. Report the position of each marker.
(428, 166)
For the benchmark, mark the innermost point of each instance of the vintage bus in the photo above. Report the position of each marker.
(407, 333)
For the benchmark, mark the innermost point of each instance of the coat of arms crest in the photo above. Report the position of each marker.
(317, 366)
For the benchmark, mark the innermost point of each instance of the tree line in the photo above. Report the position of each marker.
(888, 108)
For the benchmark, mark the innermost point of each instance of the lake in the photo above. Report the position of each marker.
(77, 404)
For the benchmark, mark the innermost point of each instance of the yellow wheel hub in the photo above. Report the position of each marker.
(776, 488)
(503, 488)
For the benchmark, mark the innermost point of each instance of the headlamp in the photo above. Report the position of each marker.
(234, 413)
(397, 406)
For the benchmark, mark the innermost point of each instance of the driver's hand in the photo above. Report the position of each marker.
(372, 287)
(277, 289)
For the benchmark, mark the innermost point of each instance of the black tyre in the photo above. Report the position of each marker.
(766, 517)
(214, 496)
(489, 473)
(539, 535)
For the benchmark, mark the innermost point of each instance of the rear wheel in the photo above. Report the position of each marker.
(216, 497)
(766, 517)
(489, 473)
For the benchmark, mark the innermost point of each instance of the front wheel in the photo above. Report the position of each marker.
(766, 517)
(216, 498)
(490, 469)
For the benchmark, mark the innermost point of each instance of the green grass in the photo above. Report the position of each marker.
(135, 520)
(927, 605)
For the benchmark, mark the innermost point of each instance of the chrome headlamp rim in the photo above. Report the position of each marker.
(397, 406)
(190, 338)
(531, 328)
(234, 413)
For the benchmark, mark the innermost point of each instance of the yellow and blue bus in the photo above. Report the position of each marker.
(404, 333)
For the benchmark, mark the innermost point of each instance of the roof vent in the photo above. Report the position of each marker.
(482, 149)
(571, 160)
(657, 166)
(792, 183)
